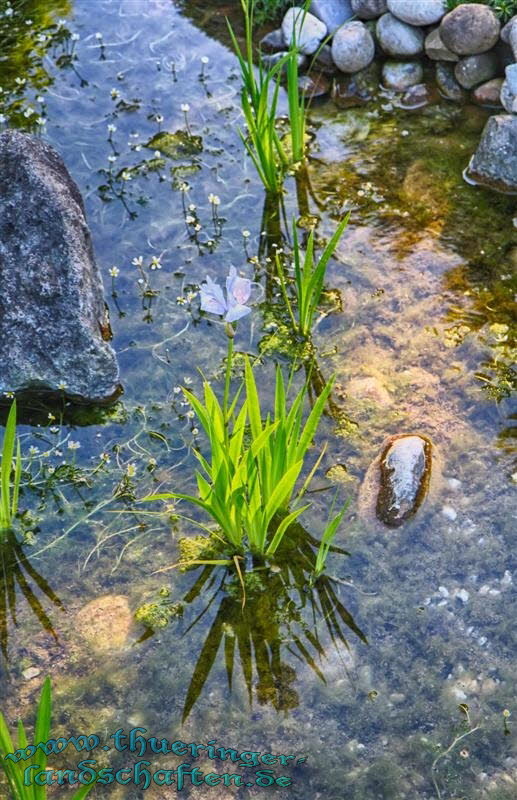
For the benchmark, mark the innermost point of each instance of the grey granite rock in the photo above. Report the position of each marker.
(353, 47)
(369, 9)
(435, 48)
(494, 163)
(418, 12)
(447, 83)
(405, 470)
(332, 12)
(272, 42)
(470, 29)
(307, 30)
(400, 75)
(398, 38)
(509, 89)
(53, 321)
(473, 70)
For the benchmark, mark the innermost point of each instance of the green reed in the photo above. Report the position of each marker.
(15, 771)
(10, 478)
(309, 277)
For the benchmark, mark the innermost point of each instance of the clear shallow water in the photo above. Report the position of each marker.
(423, 272)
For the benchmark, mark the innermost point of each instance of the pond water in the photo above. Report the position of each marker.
(409, 644)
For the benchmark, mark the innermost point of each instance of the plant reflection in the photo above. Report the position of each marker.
(15, 569)
(272, 615)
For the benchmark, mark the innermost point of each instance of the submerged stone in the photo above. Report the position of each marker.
(105, 622)
(53, 320)
(405, 471)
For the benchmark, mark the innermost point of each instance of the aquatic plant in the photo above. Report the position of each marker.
(254, 464)
(308, 278)
(259, 100)
(9, 482)
(15, 771)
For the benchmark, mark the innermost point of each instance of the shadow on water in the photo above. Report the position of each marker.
(15, 574)
(270, 614)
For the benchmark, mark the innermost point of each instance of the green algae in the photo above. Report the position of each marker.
(176, 145)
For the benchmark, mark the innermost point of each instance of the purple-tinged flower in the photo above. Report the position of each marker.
(232, 307)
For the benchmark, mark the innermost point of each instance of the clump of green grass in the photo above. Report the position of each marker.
(247, 483)
(15, 771)
(259, 100)
(10, 473)
(309, 276)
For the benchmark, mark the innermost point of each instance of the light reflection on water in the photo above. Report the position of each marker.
(422, 272)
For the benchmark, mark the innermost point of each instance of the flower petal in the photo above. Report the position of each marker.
(238, 288)
(212, 297)
(237, 311)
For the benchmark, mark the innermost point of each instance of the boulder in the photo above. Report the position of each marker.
(54, 328)
(494, 163)
(105, 622)
(418, 12)
(509, 35)
(509, 89)
(398, 38)
(307, 30)
(353, 47)
(435, 48)
(272, 42)
(470, 29)
(400, 75)
(405, 471)
(369, 9)
(332, 12)
(324, 61)
(447, 83)
(473, 70)
(489, 93)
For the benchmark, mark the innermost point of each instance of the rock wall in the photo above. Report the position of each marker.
(474, 59)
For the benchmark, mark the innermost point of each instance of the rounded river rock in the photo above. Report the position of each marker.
(405, 471)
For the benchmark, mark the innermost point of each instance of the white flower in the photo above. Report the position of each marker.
(114, 271)
(246, 234)
(138, 262)
(33, 451)
(112, 159)
(189, 219)
(125, 175)
(112, 128)
(73, 445)
(192, 207)
(185, 107)
(157, 153)
(159, 118)
(115, 93)
(75, 37)
(98, 35)
(214, 199)
(40, 121)
(155, 263)
(195, 431)
(204, 59)
(131, 470)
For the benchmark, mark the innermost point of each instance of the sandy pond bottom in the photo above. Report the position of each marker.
(365, 678)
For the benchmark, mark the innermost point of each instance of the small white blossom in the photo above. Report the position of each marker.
(114, 271)
(214, 199)
(185, 107)
(112, 128)
(73, 445)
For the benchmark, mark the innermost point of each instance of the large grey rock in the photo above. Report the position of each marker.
(418, 12)
(398, 38)
(470, 29)
(303, 27)
(494, 163)
(473, 70)
(400, 75)
(509, 89)
(332, 12)
(405, 470)
(435, 48)
(369, 9)
(53, 323)
(353, 47)
(272, 42)
(447, 83)
(489, 93)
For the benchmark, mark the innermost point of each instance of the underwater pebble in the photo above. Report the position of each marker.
(105, 622)
(449, 513)
(462, 595)
(507, 579)
(397, 698)
(453, 484)
(484, 589)
(482, 640)
(30, 673)
(494, 592)
(443, 591)
(405, 469)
